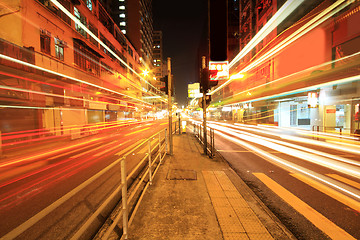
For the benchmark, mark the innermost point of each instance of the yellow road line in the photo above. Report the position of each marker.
(345, 180)
(321, 222)
(329, 191)
(137, 131)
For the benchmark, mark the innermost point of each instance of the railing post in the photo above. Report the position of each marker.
(166, 141)
(213, 143)
(160, 146)
(124, 199)
(149, 156)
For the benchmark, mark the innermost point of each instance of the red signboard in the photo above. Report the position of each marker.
(218, 70)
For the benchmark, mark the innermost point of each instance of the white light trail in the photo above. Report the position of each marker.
(77, 21)
(279, 16)
(292, 167)
(323, 161)
(316, 21)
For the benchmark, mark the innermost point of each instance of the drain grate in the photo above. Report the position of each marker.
(181, 174)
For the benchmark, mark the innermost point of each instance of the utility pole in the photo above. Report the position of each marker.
(203, 65)
(170, 105)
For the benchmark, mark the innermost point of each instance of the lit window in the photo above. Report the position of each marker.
(59, 52)
(82, 19)
(89, 5)
(122, 15)
(122, 7)
(122, 23)
(123, 31)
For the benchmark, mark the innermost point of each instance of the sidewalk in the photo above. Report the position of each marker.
(195, 197)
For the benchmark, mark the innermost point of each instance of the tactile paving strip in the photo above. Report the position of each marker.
(236, 218)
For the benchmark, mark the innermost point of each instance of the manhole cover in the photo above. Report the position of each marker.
(181, 174)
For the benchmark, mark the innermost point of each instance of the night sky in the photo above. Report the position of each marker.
(182, 23)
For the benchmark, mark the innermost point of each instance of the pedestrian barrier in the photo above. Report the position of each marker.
(198, 131)
(147, 167)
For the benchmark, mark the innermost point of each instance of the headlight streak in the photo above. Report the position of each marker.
(306, 132)
(279, 16)
(293, 167)
(316, 21)
(305, 149)
(337, 166)
(353, 150)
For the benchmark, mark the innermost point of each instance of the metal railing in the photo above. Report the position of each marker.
(198, 131)
(156, 147)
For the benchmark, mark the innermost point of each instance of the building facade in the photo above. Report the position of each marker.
(57, 71)
(134, 17)
(293, 62)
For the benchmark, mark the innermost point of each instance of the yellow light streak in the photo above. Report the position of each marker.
(141, 130)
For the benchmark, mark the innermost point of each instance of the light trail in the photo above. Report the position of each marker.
(316, 21)
(293, 167)
(68, 77)
(90, 59)
(280, 15)
(83, 90)
(79, 23)
(305, 149)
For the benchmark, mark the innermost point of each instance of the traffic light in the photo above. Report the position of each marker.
(204, 77)
(165, 89)
(208, 79)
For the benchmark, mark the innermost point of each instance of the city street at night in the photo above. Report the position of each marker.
(163, 119)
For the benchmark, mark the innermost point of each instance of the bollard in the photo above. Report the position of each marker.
(124, 199)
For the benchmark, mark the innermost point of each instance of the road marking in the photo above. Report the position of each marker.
(345, 180)
(321, 222)
(137, 131)
(328, 191)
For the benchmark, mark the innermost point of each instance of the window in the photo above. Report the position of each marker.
(82, 19)
(85, 59)
(94, 30)
(45, 43)
(89, 5)
(59, 50)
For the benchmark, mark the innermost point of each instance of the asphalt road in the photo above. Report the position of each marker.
(311, 189)
(36, 181)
